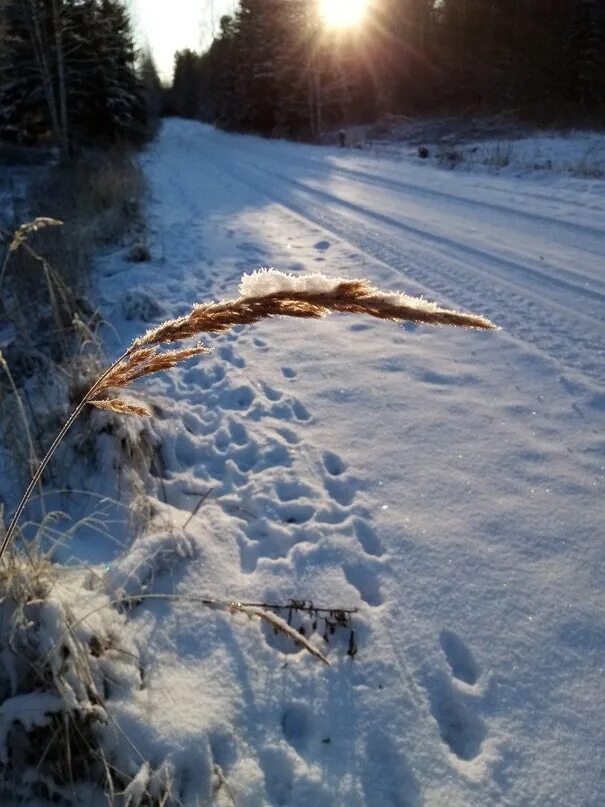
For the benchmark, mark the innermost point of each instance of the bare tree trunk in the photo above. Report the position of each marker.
(42, 56)
(311, 85)
(318, 100)
(314, 88)
(62, 87)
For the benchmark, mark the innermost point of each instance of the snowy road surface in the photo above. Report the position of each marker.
(447, 483)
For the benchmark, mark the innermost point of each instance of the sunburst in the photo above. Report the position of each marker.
(342, 13)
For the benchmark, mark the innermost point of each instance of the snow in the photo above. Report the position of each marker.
(32, 709)
(488, 147)
(271, 281)
(446, 483)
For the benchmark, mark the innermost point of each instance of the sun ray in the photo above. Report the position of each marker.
(342, 13)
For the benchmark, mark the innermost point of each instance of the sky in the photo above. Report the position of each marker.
(170, 25)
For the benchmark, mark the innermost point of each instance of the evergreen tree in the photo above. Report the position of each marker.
(185, 85)
(69, 66)
(152, 91)
(587, 46)
(274, 68)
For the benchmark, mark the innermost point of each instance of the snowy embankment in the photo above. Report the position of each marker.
(495, 146)
(446, 483)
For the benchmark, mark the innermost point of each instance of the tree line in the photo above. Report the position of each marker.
(275, 68)
(70, 68)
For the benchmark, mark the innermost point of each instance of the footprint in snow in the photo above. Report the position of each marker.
(367, 537)
(236, 398)
(340, 488)
(246, 457)
(360, 326)
(238, 432)
(290, 409)
(388, 780)
(460, 726)
(260, 343)
(362, 577)
(453, 703)
(270, 393)
(333, 463)
(342, 491)
(297, 726)
(290, 436)
(279, 775)
(295, 512)
(265, 538)
(290, 490)
(459, 657)
(227, 353)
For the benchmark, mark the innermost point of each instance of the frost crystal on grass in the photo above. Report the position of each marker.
(272, 281)
(265, 282)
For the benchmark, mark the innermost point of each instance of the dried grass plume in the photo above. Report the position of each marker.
(269, 293)
(263, 294)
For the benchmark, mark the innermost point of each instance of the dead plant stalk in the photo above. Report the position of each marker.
(312, 297)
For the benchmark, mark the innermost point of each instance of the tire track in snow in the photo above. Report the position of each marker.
(443, 242)
(335, 169)
(572, 339)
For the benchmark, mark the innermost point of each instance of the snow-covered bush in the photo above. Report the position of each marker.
(61, 649)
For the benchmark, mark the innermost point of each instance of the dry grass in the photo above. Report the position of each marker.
(44, 283)
(44, 273)
(348, 297)
(288, 298)
(145, 357)
(98, 197)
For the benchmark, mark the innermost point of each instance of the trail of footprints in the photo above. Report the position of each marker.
(257, 476)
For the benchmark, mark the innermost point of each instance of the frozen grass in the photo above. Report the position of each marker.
(48, 326)
(54, 669)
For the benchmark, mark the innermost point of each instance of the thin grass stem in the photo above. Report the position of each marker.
(49, 454)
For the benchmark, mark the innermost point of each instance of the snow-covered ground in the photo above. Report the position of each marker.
(496, 146)
(447, 483)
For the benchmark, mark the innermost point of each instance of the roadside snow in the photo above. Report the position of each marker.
(448, 484)
(484, 146)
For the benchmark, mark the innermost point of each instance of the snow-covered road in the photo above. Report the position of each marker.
(447, 483)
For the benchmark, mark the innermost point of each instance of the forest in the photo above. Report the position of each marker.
(276, 69)
(72, 70)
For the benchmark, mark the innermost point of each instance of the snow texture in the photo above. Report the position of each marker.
(448, 484)
(271, 281)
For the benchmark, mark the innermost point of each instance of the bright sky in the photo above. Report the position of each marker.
(170, 25)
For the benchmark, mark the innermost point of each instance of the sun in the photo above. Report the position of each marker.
(342, 13)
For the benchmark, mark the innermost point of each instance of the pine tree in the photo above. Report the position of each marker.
(586, 45)
(185, 85)
(69, 66)
(152, 90)
(33, 90)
